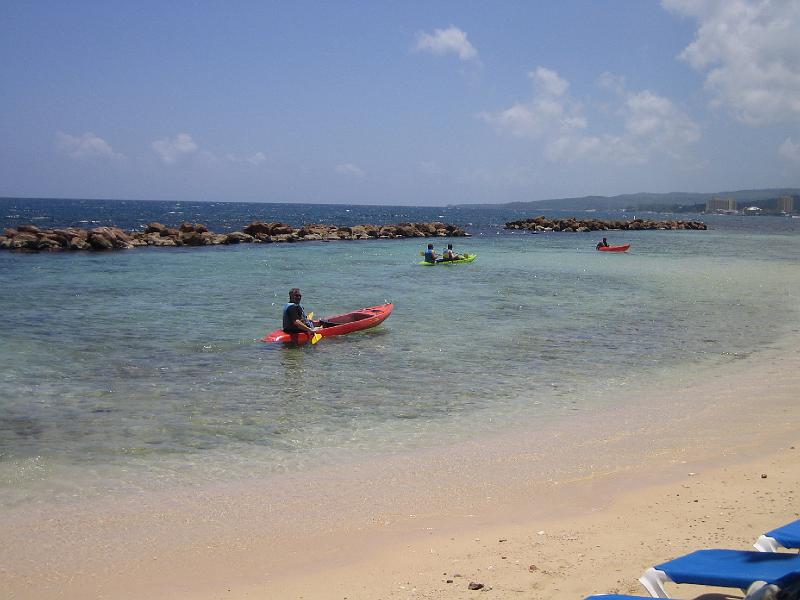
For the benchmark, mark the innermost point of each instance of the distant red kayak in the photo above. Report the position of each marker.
(614, 248)
(363, 318)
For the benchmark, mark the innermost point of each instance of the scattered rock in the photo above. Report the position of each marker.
(475, 586)
(543, 224)
(763, 476)
(156, 227)
(533, 568)
(100, 242)
(238, 237)
(31, 238)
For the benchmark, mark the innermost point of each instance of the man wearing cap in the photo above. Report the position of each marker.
(294, 317)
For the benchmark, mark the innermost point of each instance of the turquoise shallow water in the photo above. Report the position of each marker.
(141, 369)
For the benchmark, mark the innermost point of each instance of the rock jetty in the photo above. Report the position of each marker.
(31, 238)
(543, 224)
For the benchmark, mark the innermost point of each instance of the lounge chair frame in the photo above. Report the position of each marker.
(653, 581)
(787, 536)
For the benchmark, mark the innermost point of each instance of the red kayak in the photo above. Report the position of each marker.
(363, 318)
(614, 248)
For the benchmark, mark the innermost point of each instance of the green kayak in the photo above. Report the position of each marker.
(468, 258)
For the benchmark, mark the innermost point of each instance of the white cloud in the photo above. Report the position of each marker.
(612, 82)
(446, 41)
(537, 119)
(652, 124)
(170, 150)
(549, 114)
(750, 54)
(658, 122)
(549, 82)
(790, 150)
(255, 159)
(86, 146)
(350, 169)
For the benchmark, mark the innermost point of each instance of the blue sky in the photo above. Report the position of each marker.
(421, 103)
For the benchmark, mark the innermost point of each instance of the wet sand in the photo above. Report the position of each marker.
(580, 507)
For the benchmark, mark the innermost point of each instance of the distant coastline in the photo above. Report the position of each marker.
(650, 201)
(671, 202)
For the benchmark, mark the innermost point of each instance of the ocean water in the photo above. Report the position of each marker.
(142, 370)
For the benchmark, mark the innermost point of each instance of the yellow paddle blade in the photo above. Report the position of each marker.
(315, 338)
(310, 315)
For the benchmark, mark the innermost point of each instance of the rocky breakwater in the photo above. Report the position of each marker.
(31, 238)
(543, 225)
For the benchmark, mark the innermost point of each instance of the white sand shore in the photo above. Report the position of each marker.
(577, 508)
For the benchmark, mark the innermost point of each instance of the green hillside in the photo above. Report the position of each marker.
(645, 201)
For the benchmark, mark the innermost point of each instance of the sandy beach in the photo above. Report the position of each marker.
(554, 512)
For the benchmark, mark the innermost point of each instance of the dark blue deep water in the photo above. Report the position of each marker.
(231, 216)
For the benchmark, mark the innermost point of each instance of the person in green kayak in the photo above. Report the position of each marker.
(450, 255)
(602, 244)
(430, 254)
(294, 317)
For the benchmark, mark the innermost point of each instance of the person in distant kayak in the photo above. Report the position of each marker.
(450, 255)
(430, 254)
(602, 244)
(294, 317)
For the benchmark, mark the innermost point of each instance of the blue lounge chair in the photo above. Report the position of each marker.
(787, 536)
(723, 568)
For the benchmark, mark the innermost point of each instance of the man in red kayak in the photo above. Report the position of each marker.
(603, 244)
(294, 317)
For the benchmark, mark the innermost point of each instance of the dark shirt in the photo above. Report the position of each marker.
(429, 256)
(602, 244)
(290, 315)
